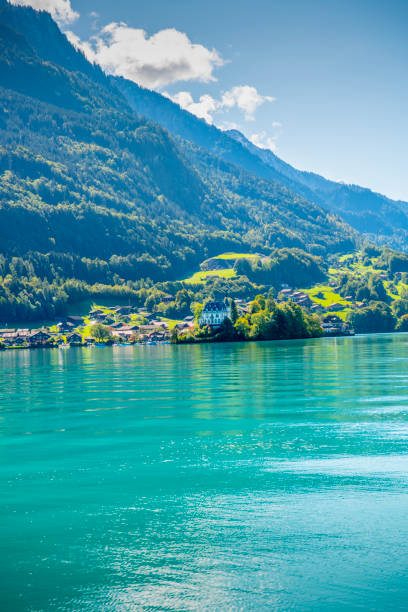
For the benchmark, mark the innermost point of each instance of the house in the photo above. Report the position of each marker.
(74, 338)
(145, 314)
(181, 326)
(285, 294)
(123, 334)
(336, 307)
(127, 327)
(123, 310)
(95, 313)
(38, 336)
(334, 326)
(215, 313)
(301, 298)
(75, 320)
(8, 335)
(316, 308)
(65, 326)
(18, 337)
(147, 329)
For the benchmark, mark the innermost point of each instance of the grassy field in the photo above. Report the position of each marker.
(329, 296)
(236, 256)
(201, 276)
(170, 322)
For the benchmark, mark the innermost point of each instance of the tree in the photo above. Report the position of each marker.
(376, 317)
(100, 332)
(402, 325)
(243, 267)
(234, 312)
(400, 307)
(197, 313)
(174, 336)
(242, 327)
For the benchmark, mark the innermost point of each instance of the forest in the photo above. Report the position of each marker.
(94, 195)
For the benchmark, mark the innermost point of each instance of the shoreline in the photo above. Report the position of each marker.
(231, 341)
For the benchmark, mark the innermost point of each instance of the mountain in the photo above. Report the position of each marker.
(374, 215)
(371, 213)
(92, 192)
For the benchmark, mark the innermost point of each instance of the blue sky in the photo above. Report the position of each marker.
(323, 83)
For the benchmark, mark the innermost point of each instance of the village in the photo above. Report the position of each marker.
(102, 326)
(126, 325)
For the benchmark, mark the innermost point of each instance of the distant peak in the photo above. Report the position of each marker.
(235, 134)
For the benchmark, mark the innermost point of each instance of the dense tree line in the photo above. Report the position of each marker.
(363, 288)
(291, 266)
(266, 320)
(376, 317)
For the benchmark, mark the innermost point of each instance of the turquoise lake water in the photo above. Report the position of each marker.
(254, 476)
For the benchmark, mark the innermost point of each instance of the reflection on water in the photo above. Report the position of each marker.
(250, 476)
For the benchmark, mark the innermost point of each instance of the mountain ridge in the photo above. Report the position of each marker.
(379, 218)
(93, 192)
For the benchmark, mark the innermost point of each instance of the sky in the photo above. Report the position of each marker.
(322, 83)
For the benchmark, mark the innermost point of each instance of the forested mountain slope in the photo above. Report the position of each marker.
(378, 217)
(92, 191)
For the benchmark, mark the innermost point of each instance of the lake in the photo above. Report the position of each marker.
(248, 476)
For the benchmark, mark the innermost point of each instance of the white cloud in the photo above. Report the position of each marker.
(163, 58)
(61, 10)
(203, 108)
(244, 97)
(264, 141)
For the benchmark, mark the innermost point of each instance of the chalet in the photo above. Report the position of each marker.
(180, 326)
(316, 308)
(123, 334)
(215, 313)
(16, 337)
(332, 320)
(38, 336)
(123, 310)
(74, 338)
(75, 320)
(286, 292)
(147, 329)
(301, 298)
(65, 326)
(8, 336)
(131, 328)
(244, 309)
(189, 319)
(336, 307)
(334, 326)
(145, 314)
